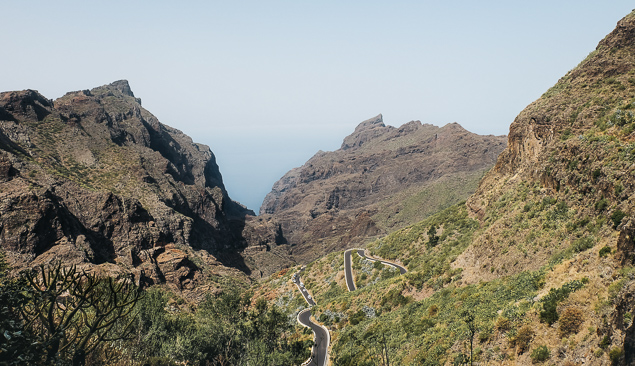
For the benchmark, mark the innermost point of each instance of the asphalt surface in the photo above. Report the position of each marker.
(303, 291)
(348, 270)
(400, 268)
(321, 336)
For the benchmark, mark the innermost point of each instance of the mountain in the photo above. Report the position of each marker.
(94, 179)
(575, 146)
(381, 179)
(537, 267)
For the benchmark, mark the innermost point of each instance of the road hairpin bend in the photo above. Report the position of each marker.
(321, 335)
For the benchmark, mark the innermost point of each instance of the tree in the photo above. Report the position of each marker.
(75, 313)
(472, 328)
(433, 238)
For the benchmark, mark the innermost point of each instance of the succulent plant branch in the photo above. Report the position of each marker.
(76, 312)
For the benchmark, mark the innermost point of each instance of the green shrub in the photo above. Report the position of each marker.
(618, 189)
(602, 204)
(357, 317)
(605, 251)
(503, 324)
(461, 359)
(583, 244)
(548, 201)
(604, 343)
(550, 301)
(485, 335)
(540, 354)
(615, 355)
(433, 310)
(617, 217)
(433, 238)
(159, 361)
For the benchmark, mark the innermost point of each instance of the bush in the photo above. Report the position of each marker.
(549, 313)
(583, 244)
(602, 204)
(485, 335)
(605, 251)
(433, 310)
(159, 361)
(570, 321)
(550, 302)
(566, 134)
(503, 324)
(615, 355)
(523, 338)
(617, 217)
(604, 343)
(540, 354)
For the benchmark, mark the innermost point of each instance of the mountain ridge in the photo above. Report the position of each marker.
(94, 178)
(366, 188)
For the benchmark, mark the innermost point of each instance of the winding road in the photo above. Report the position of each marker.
(321, 336)
(319, 353)
(348, 270)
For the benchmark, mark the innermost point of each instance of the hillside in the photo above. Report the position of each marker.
(96, 180)
(535, 268)
(381, 179)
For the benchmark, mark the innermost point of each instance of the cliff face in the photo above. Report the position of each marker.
(590, 107)
(93, 178)
(382, 178)
(575, 145)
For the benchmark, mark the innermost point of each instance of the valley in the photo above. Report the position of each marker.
(410, 245)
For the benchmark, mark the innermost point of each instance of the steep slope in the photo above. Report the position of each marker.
(574, 146)
(381, 179)
(536, 268)
(94, 178)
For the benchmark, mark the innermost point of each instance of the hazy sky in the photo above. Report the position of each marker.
(266, 84)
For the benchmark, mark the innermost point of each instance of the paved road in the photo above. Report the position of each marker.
(321, 338)
(303, 290)
(348, 270)
(400, 268)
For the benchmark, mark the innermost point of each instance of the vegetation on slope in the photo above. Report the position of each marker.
(65, 316)
(563, 308)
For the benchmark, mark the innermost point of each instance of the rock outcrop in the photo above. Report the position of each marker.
(94, 179)
(382, 178)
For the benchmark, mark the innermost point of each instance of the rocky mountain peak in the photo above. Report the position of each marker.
(377, 121)
(365, 131)
(123, 87)
(25, 103)
(623, 35)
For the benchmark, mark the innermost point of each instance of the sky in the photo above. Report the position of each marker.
(267, 84)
